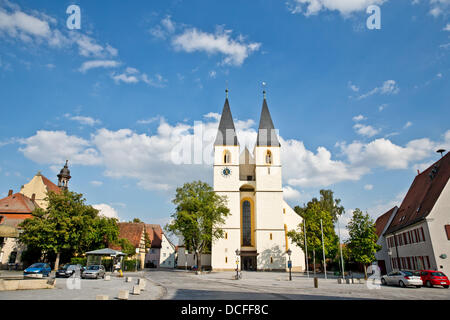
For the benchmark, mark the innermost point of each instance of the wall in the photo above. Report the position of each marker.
(182, 257)
(167, 253)
(437, 219)
(10, 245)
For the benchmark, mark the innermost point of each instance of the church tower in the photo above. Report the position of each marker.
(64, 177)
(270, 232)
(226, 183)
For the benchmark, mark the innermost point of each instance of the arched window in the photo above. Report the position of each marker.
(246, 223)
(226, 156)
(268, 157)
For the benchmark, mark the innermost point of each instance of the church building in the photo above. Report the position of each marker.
(259, 217)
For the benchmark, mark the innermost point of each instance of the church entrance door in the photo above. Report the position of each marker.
(248, 263)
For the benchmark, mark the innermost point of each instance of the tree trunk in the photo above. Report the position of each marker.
(365, 271)
(57, 260)
(199, 261)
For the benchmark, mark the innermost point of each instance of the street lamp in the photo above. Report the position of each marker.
(289, 252)
(238, 253)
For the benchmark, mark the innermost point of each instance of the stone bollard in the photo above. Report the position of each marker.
(141, 283)
(123, 295)
(101, 297)
(362, 281)
(128, 279)
(339, 280)
(51, 281)
(347, 281)
(353, 281)
(107, 278)
(136, 289)
(316, 282)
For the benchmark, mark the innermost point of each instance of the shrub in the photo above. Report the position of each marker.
(78, 260)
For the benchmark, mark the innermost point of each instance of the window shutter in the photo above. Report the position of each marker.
(447, 230)
(423, 235)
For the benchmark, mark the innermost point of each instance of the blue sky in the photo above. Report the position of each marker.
(359, 110)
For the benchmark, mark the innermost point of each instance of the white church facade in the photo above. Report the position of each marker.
(259, 217)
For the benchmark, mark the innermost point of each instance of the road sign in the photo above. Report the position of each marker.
(289, 264)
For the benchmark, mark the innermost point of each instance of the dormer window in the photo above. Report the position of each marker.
(268, 157)
(227, 156)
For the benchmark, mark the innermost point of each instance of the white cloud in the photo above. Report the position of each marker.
(359, 118)
(345, 7)
(308, 169)
(290, 193)
(439, 7)
(133, 75)
(447, 27)
(194, 40)
(365, 130)
(54, 147)
(106, 210)
(388, 87)
(96, 183)
(353, 87)
(234, 50)
(407, 125)
(212, 74)
(368, 187)
(383, 153)
(124, 77)
(83, 120)
(382, 107)
(149, 120)
(98, 64)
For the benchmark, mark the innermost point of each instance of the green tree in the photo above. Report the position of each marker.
(136, 220)
(127, 247)
(198, 215)
(326, 208)
(312, 214)
(362, 243)
(68, 225)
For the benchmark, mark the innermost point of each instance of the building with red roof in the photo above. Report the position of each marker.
(418, 235)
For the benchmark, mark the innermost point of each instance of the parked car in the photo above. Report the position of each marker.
(402, 278)
(36, 269)
(94, 272)
(69, 270)
(432, 278)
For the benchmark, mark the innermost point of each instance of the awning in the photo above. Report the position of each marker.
(106, 252)
(8, 232)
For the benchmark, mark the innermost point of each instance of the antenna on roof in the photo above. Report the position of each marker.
(441, 151)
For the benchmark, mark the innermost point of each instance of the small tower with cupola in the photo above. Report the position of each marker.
(64, 177)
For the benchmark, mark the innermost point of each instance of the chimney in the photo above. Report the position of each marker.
(33, 197)
(418, 171)
(10, 192)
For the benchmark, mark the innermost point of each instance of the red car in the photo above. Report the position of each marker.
(432, 278)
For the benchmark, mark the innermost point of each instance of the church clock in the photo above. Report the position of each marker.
(226, 172)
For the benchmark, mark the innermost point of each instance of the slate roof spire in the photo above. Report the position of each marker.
(266, 131)
(226, 135)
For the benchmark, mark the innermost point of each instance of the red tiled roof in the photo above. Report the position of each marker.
(132, 232)
(422, 195)
(382, 220)
(155, 233)
(50, 185)
(17, 204)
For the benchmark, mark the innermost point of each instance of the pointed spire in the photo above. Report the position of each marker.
(266, 131)
(226, 135)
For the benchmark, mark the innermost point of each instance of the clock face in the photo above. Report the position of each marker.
(226, 172)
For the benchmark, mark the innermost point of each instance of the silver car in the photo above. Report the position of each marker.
(94, 272)
(402, 278)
